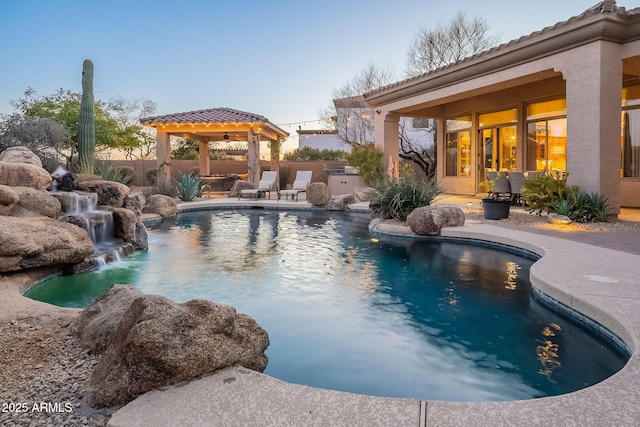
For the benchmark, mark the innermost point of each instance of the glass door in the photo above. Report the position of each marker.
(497, 150)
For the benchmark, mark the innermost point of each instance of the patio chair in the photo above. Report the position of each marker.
(516, 181)
(300, 184)
(267, 184)
(502, 187)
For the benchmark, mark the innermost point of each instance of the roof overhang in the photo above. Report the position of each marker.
(617, 27)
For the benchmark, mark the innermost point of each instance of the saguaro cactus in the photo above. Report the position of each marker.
(87, 120)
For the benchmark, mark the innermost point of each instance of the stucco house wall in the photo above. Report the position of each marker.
(579, 60)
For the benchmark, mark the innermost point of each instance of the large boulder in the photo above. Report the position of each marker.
(341, 203)
(40, 241)
(20, 155)
(35, 203)
(97, 324)
(110, 193)
(128, 227)
(158, 342)
(429, 220)
(134, 202)
(8, 198)
(24, 175)
(162, 205)
(318, 194)
(365, 194)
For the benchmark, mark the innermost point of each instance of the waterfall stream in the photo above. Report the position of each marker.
(81, 209)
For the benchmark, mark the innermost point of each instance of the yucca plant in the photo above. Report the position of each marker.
(190, 187)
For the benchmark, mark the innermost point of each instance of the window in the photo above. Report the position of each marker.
(630, 132)
(630, 141)
(547, 136)
(458, 146)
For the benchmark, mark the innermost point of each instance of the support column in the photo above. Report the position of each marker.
(203, 159)
(594, 105)
(163, 161)
(253, 157)
(387, 134)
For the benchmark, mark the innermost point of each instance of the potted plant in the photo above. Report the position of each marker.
(484, 187)
(498, 202)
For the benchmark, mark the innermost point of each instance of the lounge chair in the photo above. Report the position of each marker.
(300, 184)
(267, 184)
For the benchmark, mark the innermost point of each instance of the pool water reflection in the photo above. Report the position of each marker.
(432, 320)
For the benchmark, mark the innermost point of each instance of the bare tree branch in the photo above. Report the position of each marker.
(446, 44)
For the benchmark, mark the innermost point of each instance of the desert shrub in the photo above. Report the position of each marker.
(130, 173)
(189, 187)
(307, 154)
(582, 207)
(396, 199)
(121, 174)
(542, 190)
(368, 158)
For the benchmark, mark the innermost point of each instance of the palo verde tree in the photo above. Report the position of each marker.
(117, 125)
(87, 121)
(137, 142)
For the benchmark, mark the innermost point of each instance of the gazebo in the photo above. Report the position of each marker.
(215, 124)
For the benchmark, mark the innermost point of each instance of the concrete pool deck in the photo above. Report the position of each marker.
(601, 283)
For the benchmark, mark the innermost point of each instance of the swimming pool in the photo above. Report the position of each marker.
(434, 320)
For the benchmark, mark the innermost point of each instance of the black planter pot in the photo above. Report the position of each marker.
(496, 209)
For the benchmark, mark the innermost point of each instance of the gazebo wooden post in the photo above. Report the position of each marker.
(203, 161)
(163, 160)
(253, 156)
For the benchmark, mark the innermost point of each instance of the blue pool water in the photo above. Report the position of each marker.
(426, 319)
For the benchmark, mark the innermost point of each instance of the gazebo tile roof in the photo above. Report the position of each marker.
(212, 115)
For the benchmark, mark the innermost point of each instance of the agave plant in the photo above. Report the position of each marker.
(190, 187)
(582, 207)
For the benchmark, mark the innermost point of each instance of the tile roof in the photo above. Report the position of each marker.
(212, 115)
(606, 6)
